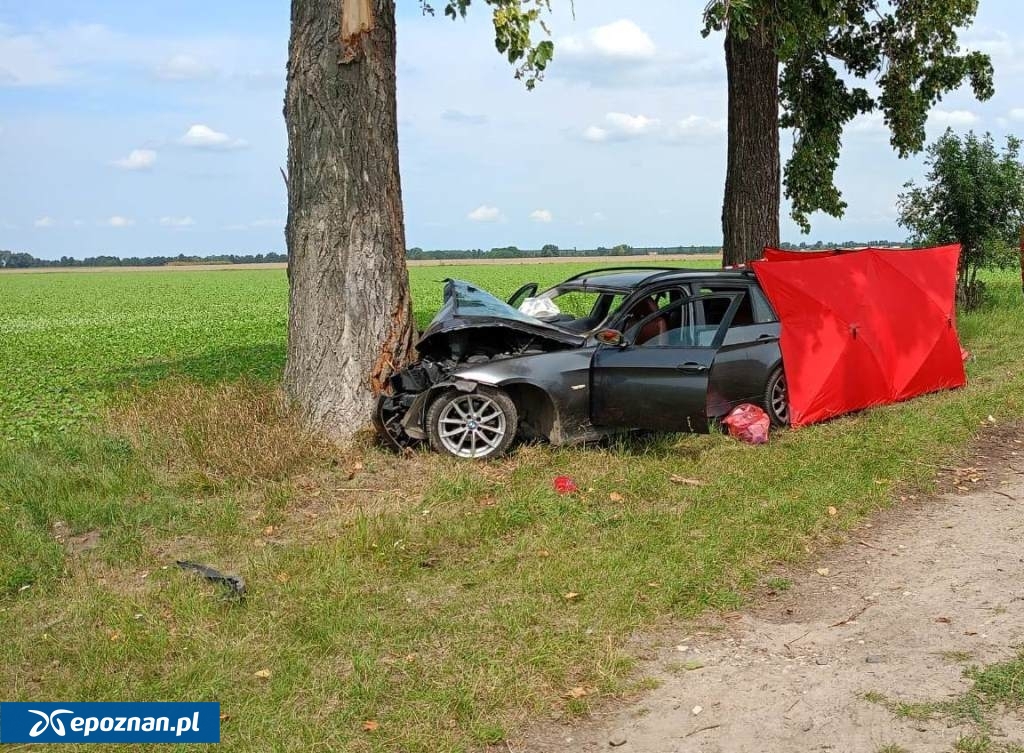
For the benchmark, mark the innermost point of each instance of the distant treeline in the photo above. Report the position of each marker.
(513, 252)
(21, 260)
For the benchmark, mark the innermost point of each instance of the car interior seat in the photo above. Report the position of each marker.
(653, 328)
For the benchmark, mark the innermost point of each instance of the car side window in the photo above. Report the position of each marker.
(763, 312)
(667, 327)
(687, 324)
(715, 309)
(648, 305)
(754, 309)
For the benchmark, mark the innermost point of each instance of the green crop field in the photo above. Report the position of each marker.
(70, 340)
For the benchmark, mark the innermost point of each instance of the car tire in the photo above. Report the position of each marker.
(776, 398)
(476, 425)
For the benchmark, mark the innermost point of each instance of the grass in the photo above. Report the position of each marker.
(997, 688)
(448, 602)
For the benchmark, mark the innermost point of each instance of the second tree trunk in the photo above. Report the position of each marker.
(750, 212)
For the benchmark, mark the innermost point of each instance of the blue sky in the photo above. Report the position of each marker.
(156, 128)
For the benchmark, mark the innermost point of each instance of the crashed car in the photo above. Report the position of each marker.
(609, 350)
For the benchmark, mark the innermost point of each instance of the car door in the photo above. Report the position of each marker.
(748, 354)
(658, 377)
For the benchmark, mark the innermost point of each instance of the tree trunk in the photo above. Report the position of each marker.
(750, 212)
(350, 317)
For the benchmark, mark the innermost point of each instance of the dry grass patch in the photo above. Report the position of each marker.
(241, 431)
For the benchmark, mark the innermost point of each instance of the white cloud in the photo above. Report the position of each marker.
(177, 221)
(485, 213)
(1004, 50)
(621, 126)
(267, 223)
(621, 54)
(869, 122)
(47, 55)
(598, 217)
(619, 40)
(201, 136)
(27, 60)
(118, 221)
(1017, 113)
(695, 127)
(541, 215)
(183, 67)
(954, 118)
(631, 125)
(45, 222)
(137, 159)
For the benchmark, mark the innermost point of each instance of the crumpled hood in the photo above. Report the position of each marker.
(468, 307)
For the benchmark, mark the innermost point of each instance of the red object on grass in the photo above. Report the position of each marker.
(864, 328)
(565, 485)
(748, 423)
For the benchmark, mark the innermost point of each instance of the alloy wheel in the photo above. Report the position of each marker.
(472, 426)
(780, 400)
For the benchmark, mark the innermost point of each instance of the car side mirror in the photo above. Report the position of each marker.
(610, 337)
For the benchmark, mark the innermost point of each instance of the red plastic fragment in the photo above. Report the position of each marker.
(565, 485)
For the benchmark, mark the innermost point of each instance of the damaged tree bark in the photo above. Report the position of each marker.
(350, 316)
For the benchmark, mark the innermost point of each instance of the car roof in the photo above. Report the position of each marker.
(626, 279)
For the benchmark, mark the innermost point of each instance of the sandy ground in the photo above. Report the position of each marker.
(602, 260)
(931, 577)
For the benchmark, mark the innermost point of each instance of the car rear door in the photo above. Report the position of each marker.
(660, 381)
(748, 354)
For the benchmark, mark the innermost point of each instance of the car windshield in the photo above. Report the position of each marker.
(470, 301)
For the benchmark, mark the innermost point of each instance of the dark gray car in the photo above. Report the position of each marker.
(631, 348)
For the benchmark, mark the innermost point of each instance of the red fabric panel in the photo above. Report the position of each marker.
(779, 254)
(866, 328)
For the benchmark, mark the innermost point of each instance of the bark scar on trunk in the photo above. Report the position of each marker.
(391, 348)
(356, 21)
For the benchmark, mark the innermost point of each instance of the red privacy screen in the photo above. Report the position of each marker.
(863, 328)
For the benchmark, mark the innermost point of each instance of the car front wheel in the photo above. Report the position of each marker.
(474, 425)
(776, 398)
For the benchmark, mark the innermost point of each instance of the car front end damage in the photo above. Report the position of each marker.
(472, 330)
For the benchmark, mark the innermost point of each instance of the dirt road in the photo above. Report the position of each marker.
(900, 610)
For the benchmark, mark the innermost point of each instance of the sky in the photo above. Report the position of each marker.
(144, 128)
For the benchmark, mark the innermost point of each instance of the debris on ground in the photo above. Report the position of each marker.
(677, 479)
(565, 485)
(235, 583)
(748, 423)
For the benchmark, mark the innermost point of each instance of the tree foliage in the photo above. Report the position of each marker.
(514, 22)
(974, 196)
(903, 55)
